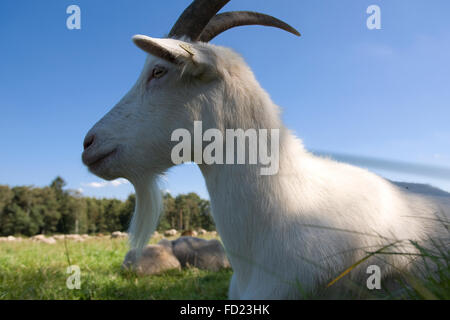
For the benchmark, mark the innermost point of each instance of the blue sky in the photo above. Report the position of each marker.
(343, 88)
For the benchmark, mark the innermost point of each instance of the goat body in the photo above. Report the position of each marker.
(286, 235)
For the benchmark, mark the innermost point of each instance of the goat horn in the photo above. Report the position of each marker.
(195, 18)
(228, 20)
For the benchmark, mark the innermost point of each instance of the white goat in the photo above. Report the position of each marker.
(286, 234)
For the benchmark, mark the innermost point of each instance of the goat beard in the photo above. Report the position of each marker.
(146, 213)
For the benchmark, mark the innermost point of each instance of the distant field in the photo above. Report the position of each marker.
(30, 270)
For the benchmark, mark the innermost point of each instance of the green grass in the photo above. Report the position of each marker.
(30, 270)
(429, 279)
(433, 281)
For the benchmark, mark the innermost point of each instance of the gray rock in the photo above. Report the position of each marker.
(118, 235)
(165, 242)
(154, 259)
(200, 253)
(170, 233)
(43, 239)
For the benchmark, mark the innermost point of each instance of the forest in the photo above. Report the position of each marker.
(29, 210)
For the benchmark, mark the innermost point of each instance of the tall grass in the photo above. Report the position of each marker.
(429, 277)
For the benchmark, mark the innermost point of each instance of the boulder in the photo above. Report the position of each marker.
(119, 235)
(75, 237)
(189, 233)
(49, 240)
(10, 239)
(43, 239)
(165, 242)
(38, 237)
(200, 253)
(170, 233)
(154, 259)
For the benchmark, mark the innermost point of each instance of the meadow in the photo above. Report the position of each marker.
(31, 270)
(34, 270)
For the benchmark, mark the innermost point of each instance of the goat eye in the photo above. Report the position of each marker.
(158, 72)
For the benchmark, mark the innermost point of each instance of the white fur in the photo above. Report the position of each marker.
(149, 204)
(285, 235)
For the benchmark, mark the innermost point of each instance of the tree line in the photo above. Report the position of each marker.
(27, 210)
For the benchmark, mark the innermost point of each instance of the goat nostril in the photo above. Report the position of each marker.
(88, 141)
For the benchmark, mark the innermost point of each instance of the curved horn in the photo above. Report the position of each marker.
(195, 18)
(228, 20)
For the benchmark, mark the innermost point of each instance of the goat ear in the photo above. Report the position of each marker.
(159, 48)
(192, 59)
(171, 50)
